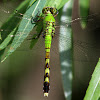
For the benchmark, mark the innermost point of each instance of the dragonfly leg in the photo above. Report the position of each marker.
(56, 14)
(36, 36)
(37, 18)
(43, 34)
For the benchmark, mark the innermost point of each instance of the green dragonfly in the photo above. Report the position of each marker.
(48, 33)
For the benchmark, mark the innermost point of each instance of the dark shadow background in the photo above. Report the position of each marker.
(88, 53)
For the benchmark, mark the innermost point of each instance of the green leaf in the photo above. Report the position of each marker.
(25, 26)
(66, 50)
(84, 11)
(32, 2)
(35, 37)
(93, 91)
(56, 3)
(12, 23)
(7, 40)
(13, 20)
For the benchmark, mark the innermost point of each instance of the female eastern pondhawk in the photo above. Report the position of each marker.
(49, 27)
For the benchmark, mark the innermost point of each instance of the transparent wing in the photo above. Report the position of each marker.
(85, 42)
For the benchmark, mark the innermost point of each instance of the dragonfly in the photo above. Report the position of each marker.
(85, 47)
(49, 31)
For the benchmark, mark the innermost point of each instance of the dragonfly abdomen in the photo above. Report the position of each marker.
(48, 39)
(46, 87)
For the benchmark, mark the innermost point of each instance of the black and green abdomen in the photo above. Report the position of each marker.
(49, 31)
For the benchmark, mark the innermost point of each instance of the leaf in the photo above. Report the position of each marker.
(56, 3)
(84, 11)
(13, 20)
(35, 37)
(66, 50)
(93, 91)
(11, 23)
(32, 2)
(7, 40)
(25, 26)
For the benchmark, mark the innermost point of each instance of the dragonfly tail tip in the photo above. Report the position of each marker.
(45, 94)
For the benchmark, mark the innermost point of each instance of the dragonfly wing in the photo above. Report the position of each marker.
(85, 50)
(25, 46)
(93, 25)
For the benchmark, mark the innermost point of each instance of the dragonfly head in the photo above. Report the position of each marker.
(51, 10)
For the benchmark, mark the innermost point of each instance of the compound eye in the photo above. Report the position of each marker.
(45, 10)
(53, 11)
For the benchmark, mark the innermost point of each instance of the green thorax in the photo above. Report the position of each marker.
(48, 17)
(49, 20)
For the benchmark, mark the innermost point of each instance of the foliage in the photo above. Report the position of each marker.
(66, 50)
(93, 91)
(84, 11)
